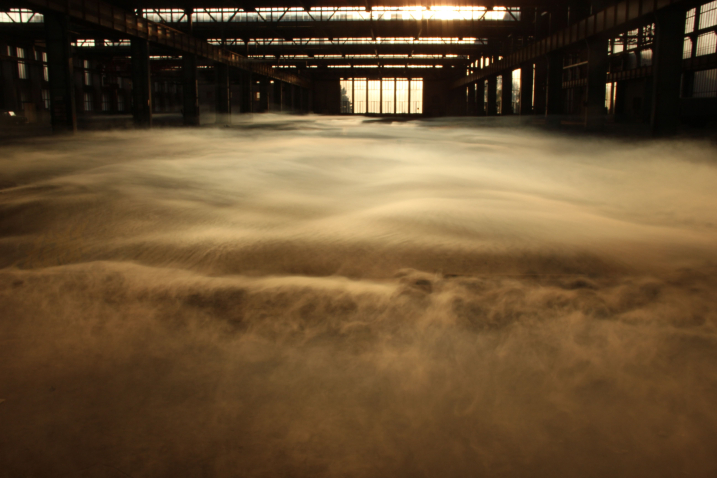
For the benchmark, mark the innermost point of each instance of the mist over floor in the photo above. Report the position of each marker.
(328, 296)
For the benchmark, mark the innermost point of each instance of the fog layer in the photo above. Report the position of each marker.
(320, 297)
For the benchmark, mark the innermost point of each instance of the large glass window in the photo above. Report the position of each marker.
(88, 73)
(359, 95)
(347, 96)
(374, 96)
(388, 102)
(384, 96)
(21, 66)
(416, 95)
(401, 96)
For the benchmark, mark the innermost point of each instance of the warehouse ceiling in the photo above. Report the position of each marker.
(344, 33)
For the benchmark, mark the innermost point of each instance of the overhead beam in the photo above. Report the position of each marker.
(611, 19)
(110, 17)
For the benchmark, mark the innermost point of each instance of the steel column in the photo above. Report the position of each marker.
(507, 94)
(526, 90)
(190, 89)
(669, 33)
(541, 84)
(597, 79)
(59, 58)
(141, 84)
(492, 107)
(480, 99)
(554, 97)
(223, 108)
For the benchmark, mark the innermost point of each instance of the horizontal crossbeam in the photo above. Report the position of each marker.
(106, 16)
(603, 22)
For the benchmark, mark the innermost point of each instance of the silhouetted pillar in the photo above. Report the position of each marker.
(597, 79)
(541, 83)
(247, 92)
(472, 99)
(480, 98)
(141, 84)
(191, 90)
(507, 93)
(526, 90)
(554, 98)
(667, 71)
(492, 107)
(223, 94)
(59, 61)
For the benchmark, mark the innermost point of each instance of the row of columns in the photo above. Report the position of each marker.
(273, 95)
(548, 81)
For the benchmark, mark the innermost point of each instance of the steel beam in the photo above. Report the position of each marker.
(101, 14)
(612, 19)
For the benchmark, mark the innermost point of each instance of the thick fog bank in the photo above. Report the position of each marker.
(320, 297)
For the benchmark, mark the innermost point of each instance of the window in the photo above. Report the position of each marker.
(401, 96)
(515, 94)
(708, 15)
(384, 96)
(706, 44)
(705, 85)
(88, 74)
(347, 91)
(45, 69)
(374, 96)
(46, 99)
(388, 94)
(88, 101)
(416, 95)
(105, 102)
(21, 66)
(120, 102)
(258, 95)
(359, 95)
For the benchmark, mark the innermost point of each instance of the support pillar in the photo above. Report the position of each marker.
(472, 99)
(480, 98)
(541, 84)
(264, 95)
(526, 90)
(59, 59)
(191, 90)
(247, 92)
(507, 94)
(223, 95)
(492, 107)
(597, 79)
(554, 88)
(666, 71)
(141, 84)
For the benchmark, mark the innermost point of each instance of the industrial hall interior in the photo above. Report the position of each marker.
(592, 63)
(358, 238)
